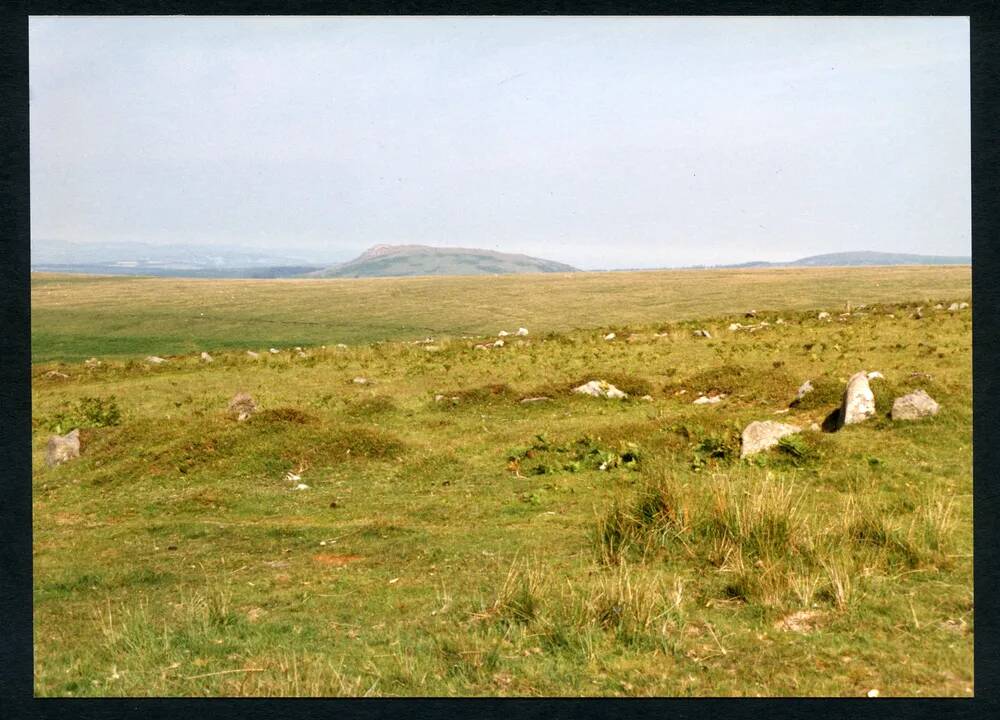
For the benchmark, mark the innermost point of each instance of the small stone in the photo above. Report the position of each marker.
(92, 362)
(750, 314)
(341, 346)
(939, 306)
(917, 404)
(252, 355)
(242, 406)
(823, 316)
(963, 306)
(360, 381)
(155, 360)
(62, 448)
(522, 331)
(600, 388)
(707, 400)
(779, 321)
(609, 336)
(953, 307)
(733, 327)
(873, 693)
(540, 398)
(503, 333)
(702, 333)
(205, 357)
(647, 398)
(763, 434)
(274, 351)
(498, 343)
(56, 375)
(804, 389)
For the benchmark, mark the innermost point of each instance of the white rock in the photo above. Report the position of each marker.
(301, 354)
(939, 306)
(963, 306)
(341, 346)
(733, 327)
(707, 400)
(823, 316)
(600, 388)
(301, 486)
(155, 360)
(483, 347)
(953, 307)
(917, 404)
(540, 398)
(779, 321)
(274, 351)
(503, 333)
(763, 434)
(702, 333)
(859, 403)
(360, 381)
(804, 389)
(647, 398)
(498, 343)
(92, 362)
(609, 336)
(876, 375)
(522, 331)
(205, 357)
(62, 448)
(431, 348)
(252, 354)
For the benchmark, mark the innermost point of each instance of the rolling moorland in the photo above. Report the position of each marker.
(394, 520)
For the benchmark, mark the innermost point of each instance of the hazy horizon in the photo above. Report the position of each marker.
(598, 142)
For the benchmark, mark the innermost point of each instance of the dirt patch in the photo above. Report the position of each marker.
(335, 560)
(803, 621)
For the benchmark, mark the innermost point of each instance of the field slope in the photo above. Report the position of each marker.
(427, 533)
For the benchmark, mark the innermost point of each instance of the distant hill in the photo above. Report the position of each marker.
(863, 257)
(401, 260)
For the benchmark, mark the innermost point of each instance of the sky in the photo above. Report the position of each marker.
(600, 142)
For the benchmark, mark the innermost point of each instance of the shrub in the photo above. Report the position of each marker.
(89, 412)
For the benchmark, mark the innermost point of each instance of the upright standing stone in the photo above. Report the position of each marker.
(859, 401)
(62, 448)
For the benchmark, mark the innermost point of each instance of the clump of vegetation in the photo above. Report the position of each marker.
(543, 457)
(747, 383)
(87, 412)
(827, 392)
(284, 415)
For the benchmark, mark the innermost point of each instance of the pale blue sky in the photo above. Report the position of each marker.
(601, 142)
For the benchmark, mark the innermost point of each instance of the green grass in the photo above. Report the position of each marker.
(476, 547)
(75, 317)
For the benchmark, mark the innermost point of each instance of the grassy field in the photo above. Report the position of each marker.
(74, 317)
(472, 544)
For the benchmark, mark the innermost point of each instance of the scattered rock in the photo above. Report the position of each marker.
(341, 346)
(815, 427)
(873, 693)
(804, 389)
(876, 375)
(155, 360)
(56, 375)
(498, 343)
(242, 406)
(609, 336)
(702, 333)
(647, 398)
(779, 321)
(859, 402)
(522, 331)
(600, 388)
(763, 434)
(252, 355)
(484, 346)
(435, 348)
(733, 327)
(503, 333)
(750, 314)
(301, 486)
(205, 357)
(360, 381)
(301, 354)
(274, 351)
(939, 306)
(92, 362)
(708, 399)
(953, 307)
(540, 398)
(823, 316)
(917, 404)
(62, 448)
(963, 306)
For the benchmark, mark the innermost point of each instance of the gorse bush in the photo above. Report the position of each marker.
(88, 412)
